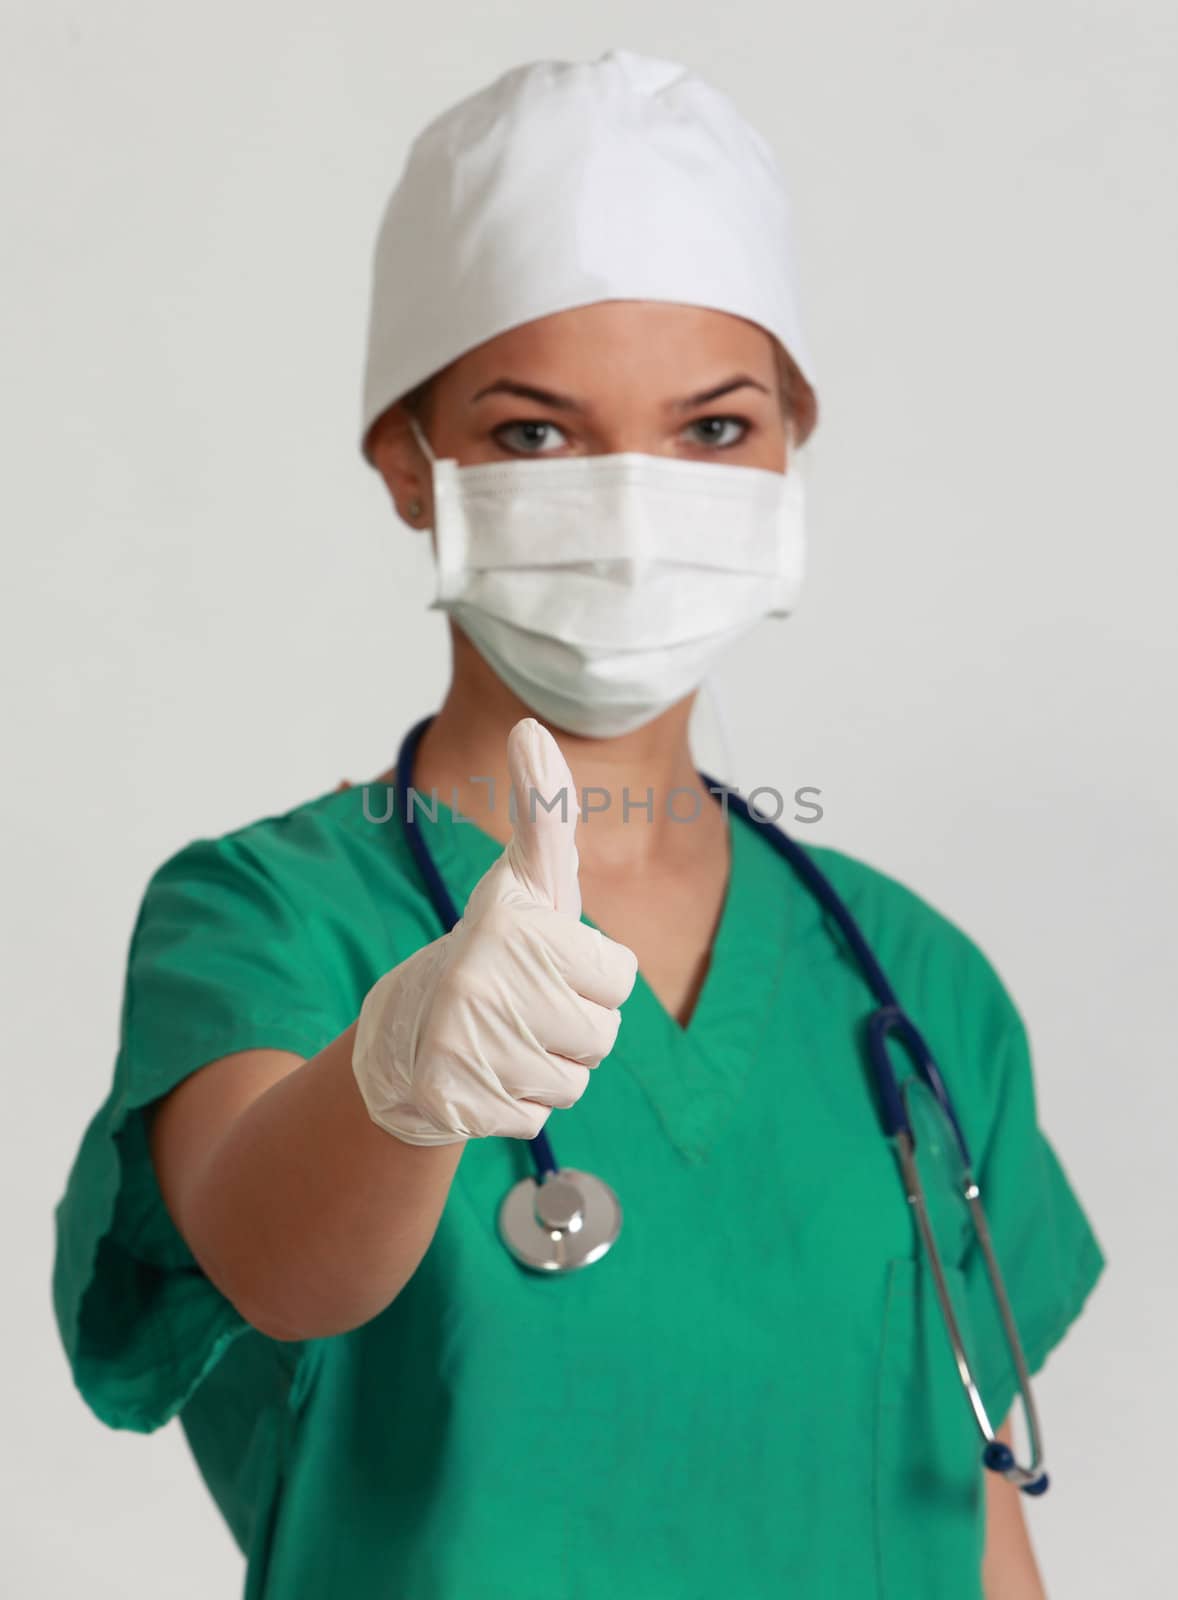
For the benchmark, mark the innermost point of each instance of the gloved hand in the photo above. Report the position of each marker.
(484, 1031)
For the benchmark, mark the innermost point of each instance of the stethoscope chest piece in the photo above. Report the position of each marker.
(567, 1221)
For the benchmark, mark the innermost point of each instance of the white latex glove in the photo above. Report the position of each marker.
(484, 1031)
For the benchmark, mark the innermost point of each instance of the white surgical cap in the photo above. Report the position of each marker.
(563, 183)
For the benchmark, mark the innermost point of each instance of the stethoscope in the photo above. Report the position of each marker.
(563, 1219)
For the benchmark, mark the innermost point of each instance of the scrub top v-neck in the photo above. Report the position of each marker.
(751, 1391)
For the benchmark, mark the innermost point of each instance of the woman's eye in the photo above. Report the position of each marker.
(526, 438)
(711, 430)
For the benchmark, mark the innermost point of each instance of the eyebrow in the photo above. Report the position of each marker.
(565, 402)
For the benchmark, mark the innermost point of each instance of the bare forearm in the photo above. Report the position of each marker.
(309, 1217)
(1009, 1570)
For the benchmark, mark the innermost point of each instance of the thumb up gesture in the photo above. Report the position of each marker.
(484, 1031)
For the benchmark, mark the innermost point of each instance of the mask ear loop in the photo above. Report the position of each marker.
(415, 507)
(422, 440)
(799, 458)
(710, 687)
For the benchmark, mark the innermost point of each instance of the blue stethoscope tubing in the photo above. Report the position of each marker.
(889, 1020)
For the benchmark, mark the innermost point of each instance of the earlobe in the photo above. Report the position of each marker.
(404, 490)
(415, 512)
(414, 515)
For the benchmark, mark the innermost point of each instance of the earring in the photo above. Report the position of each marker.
(415, 508)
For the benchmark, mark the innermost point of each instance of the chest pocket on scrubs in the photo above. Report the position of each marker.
(929, 1490)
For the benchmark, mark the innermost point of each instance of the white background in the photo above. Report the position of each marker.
(210, 613)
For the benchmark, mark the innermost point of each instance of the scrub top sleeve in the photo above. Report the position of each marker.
(220, 960)
(1045, 1246)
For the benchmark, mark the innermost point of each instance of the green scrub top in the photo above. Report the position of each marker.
(752, 1393)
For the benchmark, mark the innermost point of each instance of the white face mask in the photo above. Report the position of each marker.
(602, 588)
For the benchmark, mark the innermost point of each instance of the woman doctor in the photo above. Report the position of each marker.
(586, 378)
